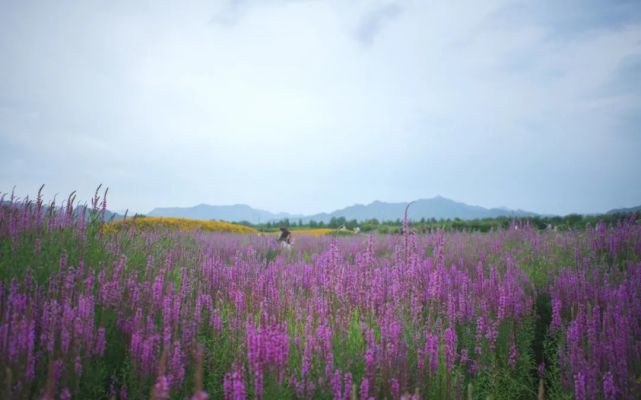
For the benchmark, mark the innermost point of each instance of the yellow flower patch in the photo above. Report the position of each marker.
(178, 224)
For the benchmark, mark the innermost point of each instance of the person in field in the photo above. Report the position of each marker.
(285, 238)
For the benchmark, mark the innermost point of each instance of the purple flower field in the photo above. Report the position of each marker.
(87, 313)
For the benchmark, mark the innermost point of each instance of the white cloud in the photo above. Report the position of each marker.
(320, 103)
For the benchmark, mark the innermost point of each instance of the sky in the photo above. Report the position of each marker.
(309, 106)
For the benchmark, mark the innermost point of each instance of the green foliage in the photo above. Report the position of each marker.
(555, 223)
(349, 350)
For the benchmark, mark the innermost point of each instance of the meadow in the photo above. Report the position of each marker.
(93, 311)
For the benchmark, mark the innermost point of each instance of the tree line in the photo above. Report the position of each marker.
(426, 225)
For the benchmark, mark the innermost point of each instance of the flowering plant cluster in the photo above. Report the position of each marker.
(176, 224)
(88, 312)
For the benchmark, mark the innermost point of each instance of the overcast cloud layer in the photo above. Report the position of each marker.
(308, 106)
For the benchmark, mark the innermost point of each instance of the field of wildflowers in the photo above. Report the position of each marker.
(129, 313)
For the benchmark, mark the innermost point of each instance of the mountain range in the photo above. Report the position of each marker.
(624, 210)
(437, 207)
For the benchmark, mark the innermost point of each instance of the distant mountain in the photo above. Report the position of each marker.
(437, 207)
(624, 210)
(232, 213)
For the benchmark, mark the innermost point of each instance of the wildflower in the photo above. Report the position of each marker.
(364, 390)
(450, 348)
(609, 389)
(161, 388)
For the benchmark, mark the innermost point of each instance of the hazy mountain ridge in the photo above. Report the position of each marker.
(437, 207)
(232, 213)
(624, 210)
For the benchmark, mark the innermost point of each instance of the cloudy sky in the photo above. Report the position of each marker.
(309, 106)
